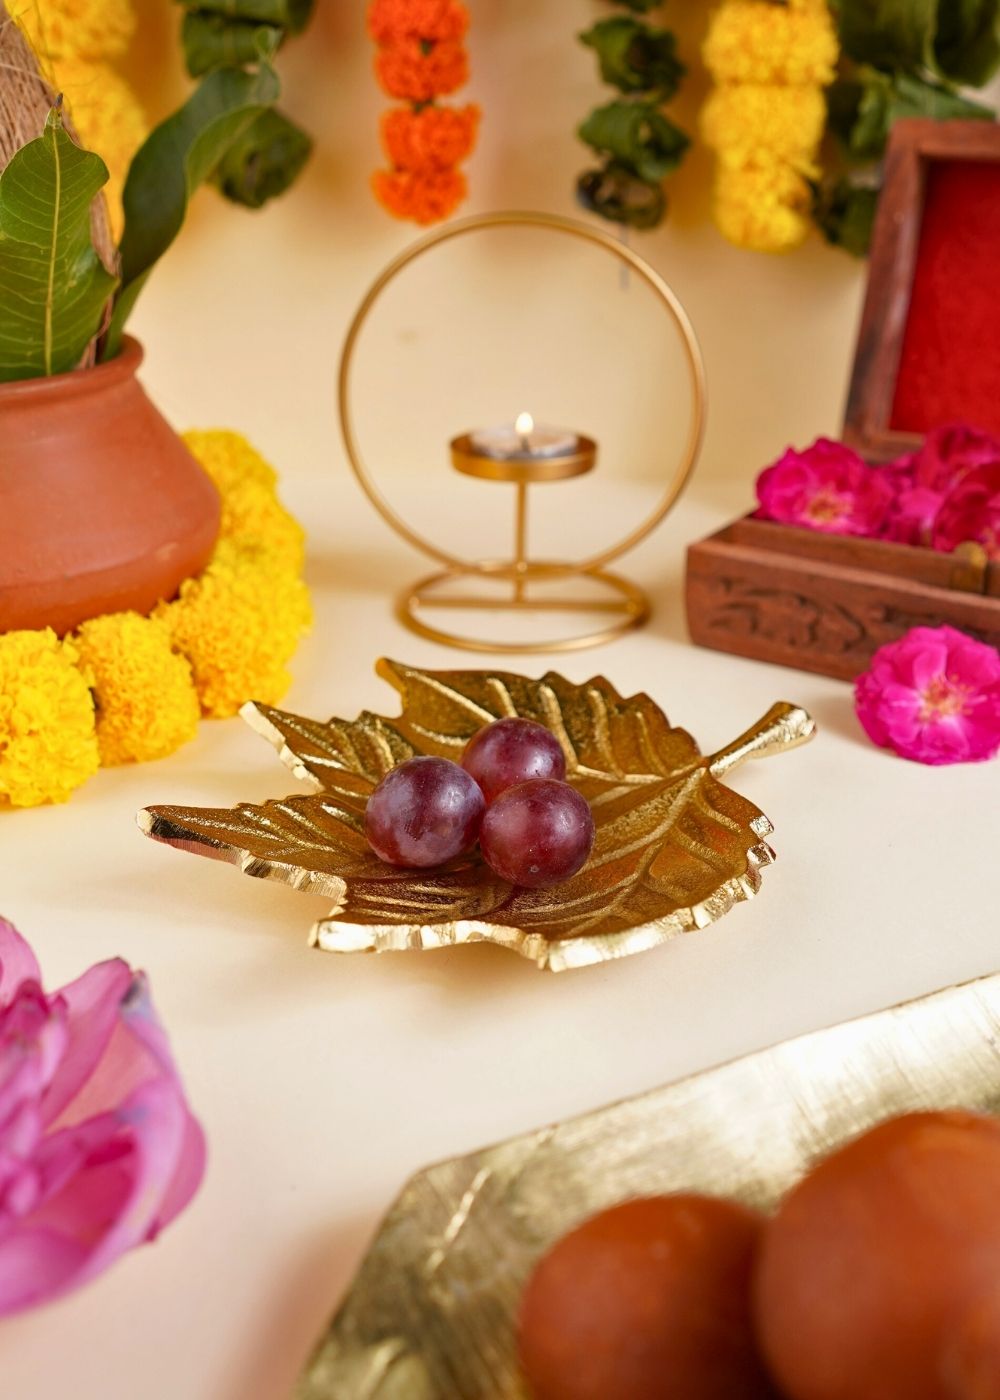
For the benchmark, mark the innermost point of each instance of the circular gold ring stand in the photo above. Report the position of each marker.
(624, 602)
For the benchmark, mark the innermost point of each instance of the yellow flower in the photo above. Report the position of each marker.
(228, 458)
(47, 742)
(145, 697)
(108, 119)
(91, 29)
(745, 121)
(760, 42)
(764, 207)
(238, 624)
(251, 512)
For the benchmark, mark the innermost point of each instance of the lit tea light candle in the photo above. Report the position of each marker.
(524, 440)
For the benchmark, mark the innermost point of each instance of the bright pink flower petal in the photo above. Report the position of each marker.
(98, 1148)
(93, 1004)
(17, 962)
(33, 1039)
(34, 1265)
(827, 488)
(933, 696)
(971, 512)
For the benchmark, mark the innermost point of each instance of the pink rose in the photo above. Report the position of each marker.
(913, 507)
(971, 511)
(827, 487)
(925, 478)
(98, 1148)
(933, 696)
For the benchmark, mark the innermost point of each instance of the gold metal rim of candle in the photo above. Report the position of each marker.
(631, 601)
(523, 471)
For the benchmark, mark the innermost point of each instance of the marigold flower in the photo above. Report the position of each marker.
(764, 207)
(48, 745)
(145, 697)
(229, 458)
(743, 121)
(760, 42)
(405, 69)
(433, 138)
(238, 624)
(99, 1147)
(827, 487)
(251, 511)
(423, 196)
(91, 29)
(108, 119)
(933, 696)
(766, 118)
(432, 20)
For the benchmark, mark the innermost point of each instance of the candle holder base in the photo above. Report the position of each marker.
(623, 602)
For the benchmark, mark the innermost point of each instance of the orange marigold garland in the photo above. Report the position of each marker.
(422, 56)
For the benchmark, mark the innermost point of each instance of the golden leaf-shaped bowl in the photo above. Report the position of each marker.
(675, 848)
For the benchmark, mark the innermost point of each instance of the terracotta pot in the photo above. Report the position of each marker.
(102, 507)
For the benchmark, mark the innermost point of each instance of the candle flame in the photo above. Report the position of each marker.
(524, 425)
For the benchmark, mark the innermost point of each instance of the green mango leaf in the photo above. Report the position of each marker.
(638, 137)
(845, 214)
(619, 196)
(889, 34)
(292, 15)
(635, 57)
(264, 161)
(175, 159)
(967, 44)
(862, 112)
(53, 286)
(213, 41)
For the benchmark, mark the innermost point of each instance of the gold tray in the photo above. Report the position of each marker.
(429, 1316)
(676, 847)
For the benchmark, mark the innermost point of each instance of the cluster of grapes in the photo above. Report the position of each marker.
(509, 793)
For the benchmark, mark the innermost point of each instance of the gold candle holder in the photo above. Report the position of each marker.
(623, 602)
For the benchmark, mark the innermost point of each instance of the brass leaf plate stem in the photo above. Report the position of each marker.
(676, 848)
(430, 1314)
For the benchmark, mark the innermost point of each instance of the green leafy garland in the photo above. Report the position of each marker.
(236, 35)
(638, 145)
(904, 58)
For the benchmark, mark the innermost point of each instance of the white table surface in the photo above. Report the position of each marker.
(324, 1082)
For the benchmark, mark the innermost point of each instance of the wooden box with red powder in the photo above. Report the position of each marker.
(928, 353)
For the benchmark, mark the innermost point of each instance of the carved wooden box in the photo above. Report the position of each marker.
(928, 353)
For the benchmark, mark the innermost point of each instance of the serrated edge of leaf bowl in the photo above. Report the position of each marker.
(332, 935)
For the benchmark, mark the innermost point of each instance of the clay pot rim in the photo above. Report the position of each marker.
(78, 381)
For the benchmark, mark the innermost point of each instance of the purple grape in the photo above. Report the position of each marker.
(511, 751)
(423, 813)
(538, 833)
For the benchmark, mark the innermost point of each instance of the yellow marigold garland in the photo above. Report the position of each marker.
(75, 41)
(765, 118)
(238, 624)
(126, 688)
(47, 741)
(251, 512)
(146, 705)
(89, 29)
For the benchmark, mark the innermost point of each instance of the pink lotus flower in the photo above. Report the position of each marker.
(933, 696)
(924, 479)
(827, 487)
(98, 1148)
(971, 511)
